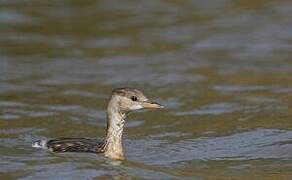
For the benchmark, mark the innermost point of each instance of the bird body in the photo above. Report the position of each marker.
(122, 101)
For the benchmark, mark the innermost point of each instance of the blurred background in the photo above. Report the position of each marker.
(222, 68)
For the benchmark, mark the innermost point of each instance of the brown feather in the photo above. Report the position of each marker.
(75, 145)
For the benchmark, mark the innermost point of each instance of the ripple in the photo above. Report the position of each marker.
(15, 131)
(213, 109)
(8, 166)
(135, 123)
(63, 107)
(241, 88)
(64, 170)
(11, 104)
(113, 42)
(41, 114)
(9, 116)
(10, 17)
(255, 144)
(81, 93)
(171, 48)
(171, 103)
(8, 88)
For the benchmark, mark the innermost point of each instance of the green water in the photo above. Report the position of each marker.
(222, 68)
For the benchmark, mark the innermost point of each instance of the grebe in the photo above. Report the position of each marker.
(122, 101)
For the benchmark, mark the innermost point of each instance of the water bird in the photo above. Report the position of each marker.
(122, 101)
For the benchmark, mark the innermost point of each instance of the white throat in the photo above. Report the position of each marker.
(115, 126)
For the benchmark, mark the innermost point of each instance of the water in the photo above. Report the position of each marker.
(222, 68)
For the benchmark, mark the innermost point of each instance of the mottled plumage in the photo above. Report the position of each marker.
(122, 101)
(75, 145)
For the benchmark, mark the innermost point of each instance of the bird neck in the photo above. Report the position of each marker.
(115, 125)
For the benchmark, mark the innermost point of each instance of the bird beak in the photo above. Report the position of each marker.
(151, 105)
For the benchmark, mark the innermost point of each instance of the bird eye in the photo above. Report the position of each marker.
(134, 98)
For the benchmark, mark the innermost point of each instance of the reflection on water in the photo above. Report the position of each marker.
(221, 68)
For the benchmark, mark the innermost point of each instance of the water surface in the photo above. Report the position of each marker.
(222, 68)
